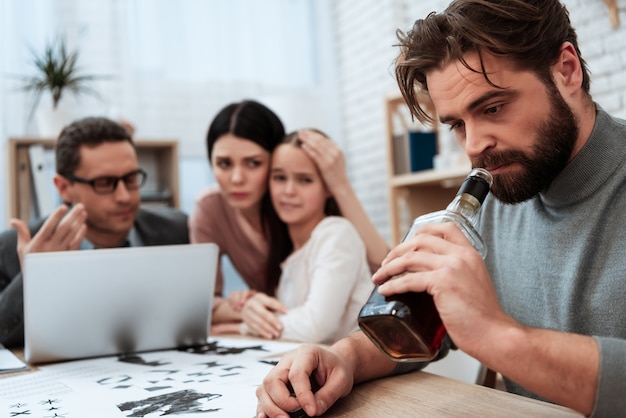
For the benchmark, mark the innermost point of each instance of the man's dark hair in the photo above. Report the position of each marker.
(528, 32)
(89, 131)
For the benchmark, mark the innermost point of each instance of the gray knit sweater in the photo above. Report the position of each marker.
(558, 261)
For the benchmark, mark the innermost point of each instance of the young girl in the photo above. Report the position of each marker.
(326, 279)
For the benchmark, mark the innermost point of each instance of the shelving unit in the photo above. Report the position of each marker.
(158, 157)
(417, 193)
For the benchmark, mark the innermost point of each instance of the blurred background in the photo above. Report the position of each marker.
(168, 67)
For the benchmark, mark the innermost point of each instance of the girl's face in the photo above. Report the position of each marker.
(241, 168)
(297, 190)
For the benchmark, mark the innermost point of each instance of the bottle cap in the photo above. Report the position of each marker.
(477, 183)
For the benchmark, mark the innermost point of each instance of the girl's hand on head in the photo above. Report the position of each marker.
(327, 156)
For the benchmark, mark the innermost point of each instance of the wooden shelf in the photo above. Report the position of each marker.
(158, 157)
(443, 178)
(417, 193)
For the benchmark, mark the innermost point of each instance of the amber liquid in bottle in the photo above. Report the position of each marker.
(407, 327)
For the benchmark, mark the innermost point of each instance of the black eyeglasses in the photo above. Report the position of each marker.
(107, 184)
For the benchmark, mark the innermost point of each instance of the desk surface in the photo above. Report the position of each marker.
(422, 394)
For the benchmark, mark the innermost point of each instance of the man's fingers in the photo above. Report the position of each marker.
(63, 230)
(50, 225)
(23, 234)
(76, 216)
(274, 398)
(77, 240)
(23, 239)
(68, 226)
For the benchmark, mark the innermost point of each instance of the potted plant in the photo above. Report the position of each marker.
(57, 73)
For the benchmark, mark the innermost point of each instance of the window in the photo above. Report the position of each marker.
(269, 42)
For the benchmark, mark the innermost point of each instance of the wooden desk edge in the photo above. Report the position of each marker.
(424, 394)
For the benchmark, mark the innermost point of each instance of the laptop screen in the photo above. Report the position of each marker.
(91, 303)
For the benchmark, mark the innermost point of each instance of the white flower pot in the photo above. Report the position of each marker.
(51, 121)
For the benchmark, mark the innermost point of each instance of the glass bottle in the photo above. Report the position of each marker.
(407, 326)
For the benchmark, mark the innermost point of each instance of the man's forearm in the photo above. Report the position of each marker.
(367, 361)
(561, 367)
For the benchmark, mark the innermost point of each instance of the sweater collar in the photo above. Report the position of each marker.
(600, 157)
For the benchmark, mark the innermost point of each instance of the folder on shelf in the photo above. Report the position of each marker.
(41, 169)
(422, 150)
(22, 185)
(414, 151)
(400, 154)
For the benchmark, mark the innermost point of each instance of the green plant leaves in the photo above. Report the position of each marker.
(57, 73)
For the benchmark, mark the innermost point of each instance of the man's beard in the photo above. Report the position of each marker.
(556, 137)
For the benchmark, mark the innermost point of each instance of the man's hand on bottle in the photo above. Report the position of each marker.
(441, 261)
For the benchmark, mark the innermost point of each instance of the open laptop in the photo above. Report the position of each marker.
(91, 303)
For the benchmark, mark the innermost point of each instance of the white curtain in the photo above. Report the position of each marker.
(169, 66)
(266, 43)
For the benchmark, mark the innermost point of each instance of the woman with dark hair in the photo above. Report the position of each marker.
(237, 214)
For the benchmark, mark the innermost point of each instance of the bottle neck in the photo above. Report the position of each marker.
(467, 206)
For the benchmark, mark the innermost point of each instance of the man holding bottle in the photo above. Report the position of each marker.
(544, 308)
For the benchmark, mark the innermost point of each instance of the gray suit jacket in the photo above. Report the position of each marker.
(155, 227)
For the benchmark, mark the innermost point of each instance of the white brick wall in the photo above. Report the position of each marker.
(365, 35)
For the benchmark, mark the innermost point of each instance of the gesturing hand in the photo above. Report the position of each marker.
(63, 230)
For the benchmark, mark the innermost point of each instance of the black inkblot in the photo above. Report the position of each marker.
(113, 379)
(136, 359)
(215, 348)
(177, 403)
(212, 364)
(231, 368)
(155, 388)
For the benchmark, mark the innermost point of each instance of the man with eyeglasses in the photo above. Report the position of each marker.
(98, 177)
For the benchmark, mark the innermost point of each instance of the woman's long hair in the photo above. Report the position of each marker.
(255, 122)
